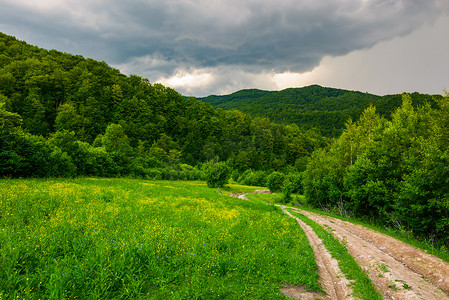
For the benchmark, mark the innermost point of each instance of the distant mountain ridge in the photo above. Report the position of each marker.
(314, 106)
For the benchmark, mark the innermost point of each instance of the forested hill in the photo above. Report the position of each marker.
(64, 115)
(313, 106)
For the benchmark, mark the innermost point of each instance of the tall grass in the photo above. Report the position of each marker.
(133, 239)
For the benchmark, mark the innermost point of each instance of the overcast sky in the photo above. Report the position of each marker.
(202, 47)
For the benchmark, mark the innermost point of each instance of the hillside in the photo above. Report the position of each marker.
(326, 109)
(65, 115)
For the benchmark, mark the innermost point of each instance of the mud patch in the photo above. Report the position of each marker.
(300, 292)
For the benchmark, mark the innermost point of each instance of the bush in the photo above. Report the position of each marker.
(217, 174)
(275, 181)
(296, 182)
(61, 164)
(287, 191)
(235, 175)
(23, 154)
(253, 178)
(154, 174)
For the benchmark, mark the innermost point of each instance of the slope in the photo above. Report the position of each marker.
(326, 109)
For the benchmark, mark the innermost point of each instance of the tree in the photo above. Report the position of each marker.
(115, 140)
(287, 189)
(68, 118)
(275, 181)
(8, 119)
(217, 174)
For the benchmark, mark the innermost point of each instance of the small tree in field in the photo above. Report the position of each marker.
(217, 174)
(275, 181)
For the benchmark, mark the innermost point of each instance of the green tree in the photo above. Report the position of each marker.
(275, 181)
(34, 118)
(217, 174)
(8, 119)
(115, 140)
(68, 118)
(287, 189)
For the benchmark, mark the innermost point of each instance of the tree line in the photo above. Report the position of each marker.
(64, 115)
(322, 108)
(394, 172)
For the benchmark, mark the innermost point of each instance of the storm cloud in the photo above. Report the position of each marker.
(162, 39)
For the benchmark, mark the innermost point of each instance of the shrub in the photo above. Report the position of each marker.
(287, 191)
(217, 174)
(235, 175)
(254, 178)
(61, 164)
(275, 181)
(296, 182)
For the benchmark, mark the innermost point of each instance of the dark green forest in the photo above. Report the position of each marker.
(64, 115)
(382, 158)
(323, 109)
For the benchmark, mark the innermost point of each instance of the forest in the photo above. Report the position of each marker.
(63, 115)
(383, 158)
(321, 108)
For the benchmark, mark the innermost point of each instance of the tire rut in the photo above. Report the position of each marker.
(331, 279)
(397, 270)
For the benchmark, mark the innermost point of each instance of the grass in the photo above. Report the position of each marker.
(264, 198)
(383, 267)
(123, 238)
(360, 282)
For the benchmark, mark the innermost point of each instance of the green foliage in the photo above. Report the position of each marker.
(296, 181)
(392, 172)
(275, 181)
(287, 189)
(8, 119)
(235, 175)
(119, 124)
(253, 178)
(217, 174)
(312, 107)
(115, 140)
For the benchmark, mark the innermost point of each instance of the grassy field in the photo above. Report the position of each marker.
(122, 238)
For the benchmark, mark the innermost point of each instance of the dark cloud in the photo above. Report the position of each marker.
(254, 35)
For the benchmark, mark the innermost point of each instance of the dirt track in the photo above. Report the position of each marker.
(397, 270)
(332, 280)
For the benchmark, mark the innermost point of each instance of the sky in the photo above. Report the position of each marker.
(204, 47)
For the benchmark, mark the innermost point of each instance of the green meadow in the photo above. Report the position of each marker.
(134, 239)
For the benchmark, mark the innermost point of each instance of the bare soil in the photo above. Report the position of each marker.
(332, 280)
(243, 195)
(397, 270)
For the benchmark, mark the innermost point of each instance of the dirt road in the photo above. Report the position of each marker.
(397, 270)
(332, 280)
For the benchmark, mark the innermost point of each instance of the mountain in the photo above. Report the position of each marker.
(323, 108)
(60, 111)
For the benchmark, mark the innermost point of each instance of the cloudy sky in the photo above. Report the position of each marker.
(202, 47)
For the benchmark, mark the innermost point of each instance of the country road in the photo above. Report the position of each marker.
(397, 270)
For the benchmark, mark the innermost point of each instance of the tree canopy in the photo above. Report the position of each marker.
(322, 108)
(106, 123)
